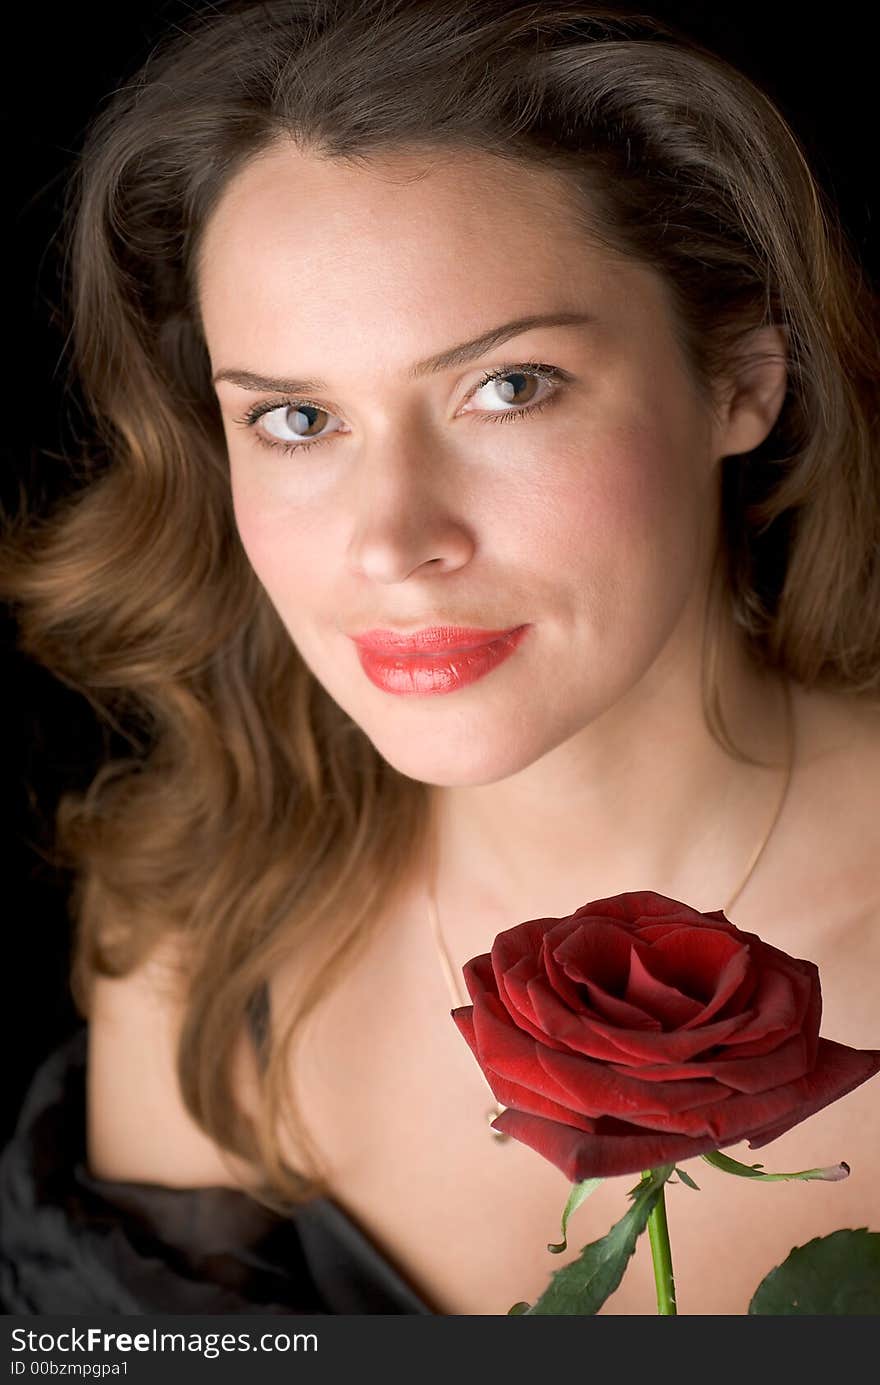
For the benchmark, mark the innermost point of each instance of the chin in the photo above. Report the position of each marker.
(446, 760)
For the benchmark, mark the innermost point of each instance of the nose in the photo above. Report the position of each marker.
(406, 517)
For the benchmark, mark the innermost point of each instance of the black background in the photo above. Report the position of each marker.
(60, 65)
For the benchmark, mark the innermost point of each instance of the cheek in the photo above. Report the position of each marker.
(284, 551)
(623, 514)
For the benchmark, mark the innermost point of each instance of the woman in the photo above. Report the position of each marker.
(370, 230)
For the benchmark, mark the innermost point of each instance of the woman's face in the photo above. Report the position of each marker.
(587, 517)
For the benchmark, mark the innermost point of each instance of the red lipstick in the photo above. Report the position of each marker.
(438, 659)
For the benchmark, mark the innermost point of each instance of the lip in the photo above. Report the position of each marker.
(420, 674)
(433, 639)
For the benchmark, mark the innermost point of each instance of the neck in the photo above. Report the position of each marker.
(643, 797)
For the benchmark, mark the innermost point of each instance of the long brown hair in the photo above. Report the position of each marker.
(252, 818)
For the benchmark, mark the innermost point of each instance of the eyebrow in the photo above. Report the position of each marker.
(444, 360)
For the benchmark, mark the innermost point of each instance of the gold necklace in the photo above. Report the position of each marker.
(452, 981)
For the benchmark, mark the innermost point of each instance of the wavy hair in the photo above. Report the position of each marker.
(253, 819)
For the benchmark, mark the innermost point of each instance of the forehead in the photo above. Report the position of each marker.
(286, 201)
(306, 244)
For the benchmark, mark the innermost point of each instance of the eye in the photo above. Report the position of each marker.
(516, 385)
(302, 418)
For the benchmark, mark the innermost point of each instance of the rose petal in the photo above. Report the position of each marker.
(554, 968)
(464, 1019)
(783, 1064)
(735, 985)
(812, 1017)
(786, 1063)
(666, 1003)
(777, 1009)
(567, 1029)
(511, 1053)
(599, 1039)
(478, 975)
(595, 1090)
(693, 960)
(511, 1093)
(641, 906)
(733, 977)
(659, 1072)
(838, 1070)
(596, 957)
(803, 977)
(652, 932)
(751, 1115)
(607, 1007)
(520, 953)
(513, 988)
(583, 1155)
(479, 978)
(595, 951)
(523, 940)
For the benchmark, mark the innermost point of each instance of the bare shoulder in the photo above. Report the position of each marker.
(138, 1128)
(827, 892)
(838, 766)
(837, 723)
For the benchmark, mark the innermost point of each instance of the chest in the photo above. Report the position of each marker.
(397, 1102)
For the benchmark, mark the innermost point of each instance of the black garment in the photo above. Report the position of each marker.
(71, 1243)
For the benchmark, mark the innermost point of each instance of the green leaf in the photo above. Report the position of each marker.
(521, 1307)
(584, 1285)
(833, 1173)
(579, 1192)
(687, 1180)
(837, 1274)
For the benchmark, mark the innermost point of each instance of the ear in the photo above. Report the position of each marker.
(753, 393)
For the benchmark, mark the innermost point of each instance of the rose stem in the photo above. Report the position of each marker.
(658, 1235)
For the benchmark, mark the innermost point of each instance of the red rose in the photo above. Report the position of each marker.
(638, 1031)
